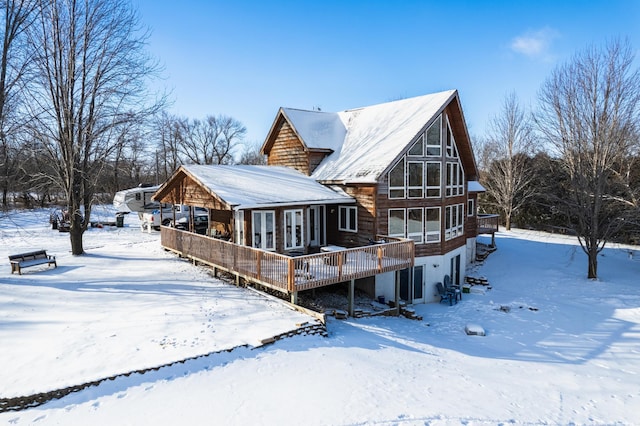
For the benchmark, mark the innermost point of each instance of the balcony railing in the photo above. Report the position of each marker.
(291, 274)
(488, 223)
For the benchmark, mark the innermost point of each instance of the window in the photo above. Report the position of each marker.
(433, 224)
(239, 226)
(396, 181)
(415, 225)
(471, 209)
(415, 179)
(417, 150)
(263, 229)
(455, 179)
(452, 150)
(396, 223)
(434, 138)
(433, 179)
(348, 218)
(453, 221)
(293, 237)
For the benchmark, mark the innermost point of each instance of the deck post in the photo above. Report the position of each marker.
(294, 297)
(352, 286)
(291, 276)
(397, 292)
(258, 264)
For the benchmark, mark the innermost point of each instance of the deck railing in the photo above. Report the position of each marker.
(488, 223)
(291, 274)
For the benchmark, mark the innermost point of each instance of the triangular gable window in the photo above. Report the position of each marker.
(434, 138)
(429, 143)
(417, 150)
(452, 149)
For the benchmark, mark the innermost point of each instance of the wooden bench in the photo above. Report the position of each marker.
(24, 260)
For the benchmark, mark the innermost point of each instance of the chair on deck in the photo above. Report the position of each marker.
(444, 294)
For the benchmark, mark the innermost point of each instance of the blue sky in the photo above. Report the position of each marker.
(246, 59)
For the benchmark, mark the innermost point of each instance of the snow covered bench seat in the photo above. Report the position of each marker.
(24, 260)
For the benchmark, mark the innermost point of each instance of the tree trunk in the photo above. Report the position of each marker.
(76, 230)
(75, 234)
(593, 264)
(507, 222)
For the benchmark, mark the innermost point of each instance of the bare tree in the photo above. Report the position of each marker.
(168, 132)
(212, 140)
(251, 155)
(508, 176)
(89, 70)
(232, 133)
(15, 18)
(589, 113)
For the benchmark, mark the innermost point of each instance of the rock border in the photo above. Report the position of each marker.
(21, 403)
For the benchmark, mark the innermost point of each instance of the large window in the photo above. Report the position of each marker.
(453, 221)
(293, 237)
(415, 225)
(396, 181)
(263, 228)
(415, 179)
(454, 179)
(396, 223)
(433, 225)
(433, 179)
(348, 218)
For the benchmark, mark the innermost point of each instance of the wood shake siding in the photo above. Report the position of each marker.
(191, 193)
(315, 158)
(288, 151)
(367, 224)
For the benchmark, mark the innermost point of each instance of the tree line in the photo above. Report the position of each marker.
(77, 118)
(573, 163)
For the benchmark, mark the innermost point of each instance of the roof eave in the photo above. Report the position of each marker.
(294, 203)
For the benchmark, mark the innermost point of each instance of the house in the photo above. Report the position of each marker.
(383, 197)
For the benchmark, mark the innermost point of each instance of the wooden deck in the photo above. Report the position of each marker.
(290, 274)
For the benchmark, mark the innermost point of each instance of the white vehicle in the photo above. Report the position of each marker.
(136, 200)
(153, 219)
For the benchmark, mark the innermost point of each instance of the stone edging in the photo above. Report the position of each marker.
(20, 403)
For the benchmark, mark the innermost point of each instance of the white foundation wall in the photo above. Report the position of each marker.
(385, 286)
(434, 270)
(471, 251)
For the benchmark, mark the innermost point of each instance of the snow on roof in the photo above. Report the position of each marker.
(475, 186)
(323, 130)
(374, 137)
(244, 187)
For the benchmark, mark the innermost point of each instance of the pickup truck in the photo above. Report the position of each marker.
(152, 220)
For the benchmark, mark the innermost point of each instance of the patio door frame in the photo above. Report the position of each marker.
(412, 284)
(454, 270)
(316, 226)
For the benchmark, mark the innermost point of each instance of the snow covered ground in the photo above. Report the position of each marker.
(559, 349)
